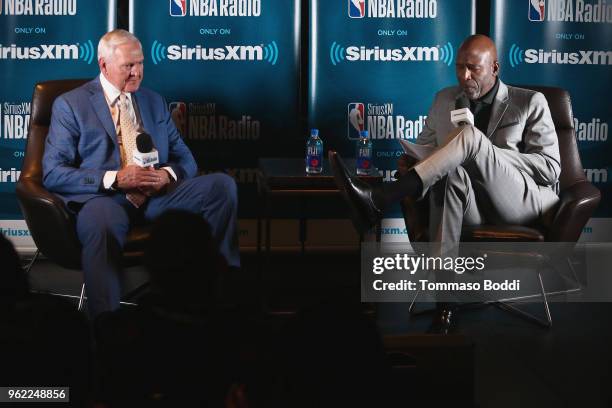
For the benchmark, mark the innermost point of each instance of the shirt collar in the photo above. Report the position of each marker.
(111, 92)
(488, 98)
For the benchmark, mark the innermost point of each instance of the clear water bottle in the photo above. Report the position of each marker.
(314, 153)
(364, 154)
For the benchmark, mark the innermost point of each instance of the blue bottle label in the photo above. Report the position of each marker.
(313, 157)
(364, 158)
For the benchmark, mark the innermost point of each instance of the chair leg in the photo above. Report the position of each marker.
(502, 304)
(31, 263)
(573, 271)
(528, 316)
(505, 303)
(546, 308)
(413, 313)
(578, 287)
(416, 295)
(81, 298)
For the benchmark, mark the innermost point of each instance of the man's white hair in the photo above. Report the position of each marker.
(111, 40)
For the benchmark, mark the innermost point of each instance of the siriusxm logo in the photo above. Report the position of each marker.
(579, 11)
(9, 176)
(380, 121)
(394, 231)
(596, 175)
(392, 8)
(517, 56)
(11, 232)
(38, 7)
(267, 53)
(84, 52)
(15, 120)
(338, 53)
(215, 8)
(202, 121)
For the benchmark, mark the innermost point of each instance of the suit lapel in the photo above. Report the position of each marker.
(145, 113)
(100, 106)
(147, 108)
(452, 105)
(498, 109)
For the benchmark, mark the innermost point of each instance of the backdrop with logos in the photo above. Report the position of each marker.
(376, 65)
(566, 44)
(230, 73)
(39, 41)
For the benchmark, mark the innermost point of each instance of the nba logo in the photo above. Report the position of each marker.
(178, 8)
(178, 112)
(536, 10)
(356, 8)
(355, 119)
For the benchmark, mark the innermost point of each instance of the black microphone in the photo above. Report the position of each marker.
(145, 154)
(462, 102)
(144, 143)
(462, 115)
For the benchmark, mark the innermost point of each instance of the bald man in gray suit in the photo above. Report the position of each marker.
(504, 169)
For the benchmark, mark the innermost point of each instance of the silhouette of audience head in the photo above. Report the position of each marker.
(45, 339)
(13, 281)
(183, 259)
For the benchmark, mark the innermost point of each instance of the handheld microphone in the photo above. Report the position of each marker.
(145, 154)
(462, 115)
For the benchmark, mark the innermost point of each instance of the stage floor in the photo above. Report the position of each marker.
(516, 363)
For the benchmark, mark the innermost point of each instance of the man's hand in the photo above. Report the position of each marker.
(162, 179)
(133, 176)
(405, 163)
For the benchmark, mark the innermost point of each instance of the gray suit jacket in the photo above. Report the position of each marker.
(520, 124)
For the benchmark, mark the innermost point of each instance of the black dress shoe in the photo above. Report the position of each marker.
(359, 195)
(443, 322)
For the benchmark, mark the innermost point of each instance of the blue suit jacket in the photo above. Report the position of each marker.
(82, 142)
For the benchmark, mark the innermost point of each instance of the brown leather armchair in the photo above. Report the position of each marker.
(51, 223)
(578, 197)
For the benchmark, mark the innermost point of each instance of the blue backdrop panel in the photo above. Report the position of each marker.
(566, 44)
(40, 40)
(230, 73)
(376, 65)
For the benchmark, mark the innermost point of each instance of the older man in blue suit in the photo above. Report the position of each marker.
(88, 161)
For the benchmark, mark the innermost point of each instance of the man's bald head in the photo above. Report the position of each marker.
(481, 44)
(477, 66)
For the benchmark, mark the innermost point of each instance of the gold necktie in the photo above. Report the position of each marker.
(128, 130)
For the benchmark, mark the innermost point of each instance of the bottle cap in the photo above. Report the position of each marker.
(364, 133)
(314, 132)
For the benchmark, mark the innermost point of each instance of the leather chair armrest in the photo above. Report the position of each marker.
(31, 192)
(50, 222)
(577, 204)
